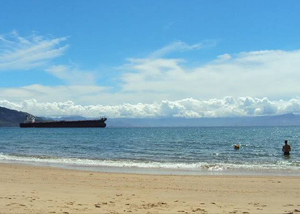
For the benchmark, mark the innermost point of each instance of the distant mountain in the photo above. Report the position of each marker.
(70, 118)
(10, 117)
(279, 120)
(67, 118)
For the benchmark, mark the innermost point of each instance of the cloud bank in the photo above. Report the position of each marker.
(185, 108)
(154, 86)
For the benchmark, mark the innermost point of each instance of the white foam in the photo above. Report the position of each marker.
(199, 166)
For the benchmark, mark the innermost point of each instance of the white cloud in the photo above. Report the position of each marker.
(72, 75)
(20, 53)
(23, 53)
(187, 108)
(272, 74)
(223, 57)
(267, 73)
(80, 93)
(180, 46)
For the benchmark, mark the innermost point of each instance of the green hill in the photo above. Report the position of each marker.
(10, 117)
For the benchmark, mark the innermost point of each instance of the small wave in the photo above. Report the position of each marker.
(196, 167)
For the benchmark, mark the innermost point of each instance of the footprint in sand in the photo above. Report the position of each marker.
(259, 205)
(199, 210)
(288, 205)
(16, 204)
(97, 205)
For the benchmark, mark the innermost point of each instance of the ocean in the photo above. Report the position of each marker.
(182, 150)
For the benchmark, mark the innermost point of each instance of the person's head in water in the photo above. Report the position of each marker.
(285, 142)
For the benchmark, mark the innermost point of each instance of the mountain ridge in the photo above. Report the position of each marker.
(276, 120)
(9, 117)
(12, 118)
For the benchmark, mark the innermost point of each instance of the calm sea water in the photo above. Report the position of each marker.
(156, 150)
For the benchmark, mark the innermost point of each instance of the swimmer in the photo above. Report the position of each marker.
(236, 146)
(286, 148)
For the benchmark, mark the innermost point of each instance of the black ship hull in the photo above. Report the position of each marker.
(67, 124)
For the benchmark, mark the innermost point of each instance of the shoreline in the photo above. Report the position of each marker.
(161, 170)
(36, 189)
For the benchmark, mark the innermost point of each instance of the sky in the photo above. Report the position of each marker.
(137, 59)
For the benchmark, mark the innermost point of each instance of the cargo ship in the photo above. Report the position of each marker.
(30, 123)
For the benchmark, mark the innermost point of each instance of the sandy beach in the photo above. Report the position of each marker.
(31, 189)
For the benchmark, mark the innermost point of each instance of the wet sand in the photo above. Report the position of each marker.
(30, 189)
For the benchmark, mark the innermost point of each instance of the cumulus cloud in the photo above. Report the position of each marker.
(23, 53)
(185, 108)
(271, 73)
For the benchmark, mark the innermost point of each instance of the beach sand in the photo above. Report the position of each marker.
(30, 189)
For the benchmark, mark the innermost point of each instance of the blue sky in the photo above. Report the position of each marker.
(150, 58)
